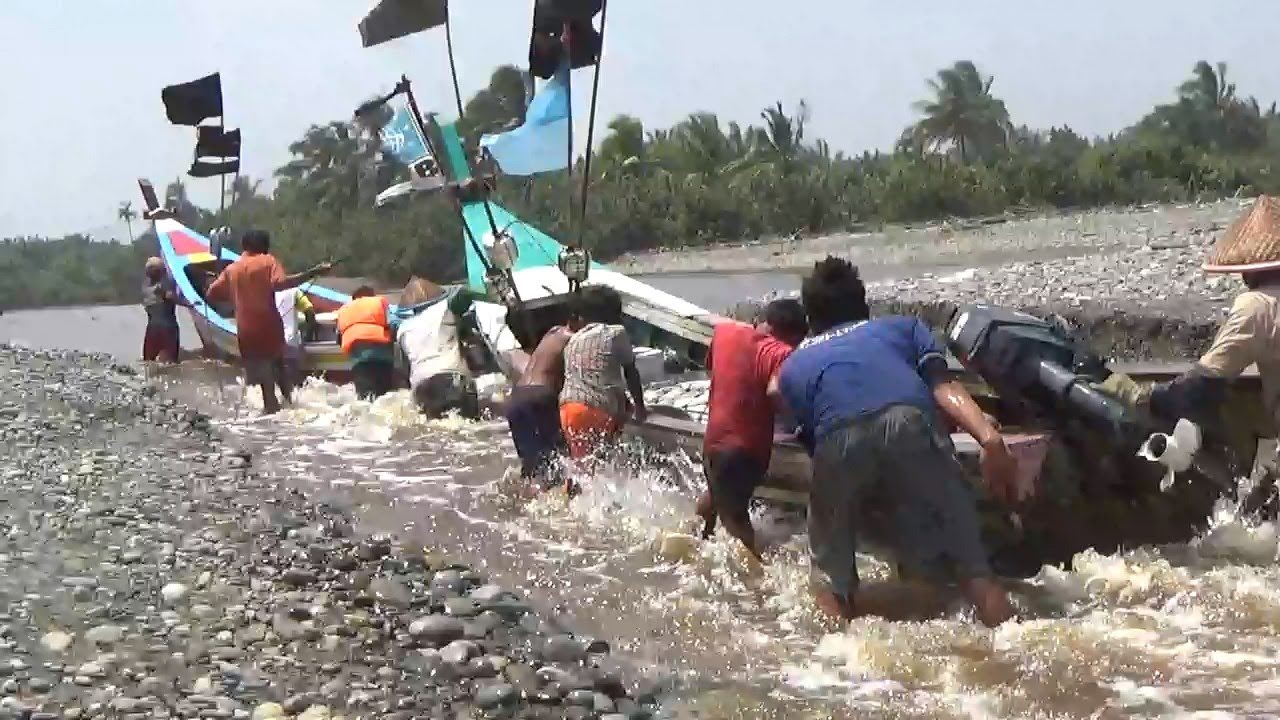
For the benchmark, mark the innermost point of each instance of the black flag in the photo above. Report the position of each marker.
(203, 169)
(189, 103)
(392, 19)
(213, 141)
(546, 46)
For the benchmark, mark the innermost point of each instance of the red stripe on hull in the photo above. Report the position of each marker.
(184, 244)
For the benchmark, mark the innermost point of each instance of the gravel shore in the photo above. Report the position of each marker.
(1131, 281)
(148, 572)
(989, 241)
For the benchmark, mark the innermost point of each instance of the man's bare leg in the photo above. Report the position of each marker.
(284, 380)
(739, 525)
(894, 601)
(270, 405)
(707, 511)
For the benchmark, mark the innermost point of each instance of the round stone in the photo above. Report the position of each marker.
(268, 711)
(563, 648)
(173, 593)
(56, 641)
(491, 696)
(437, 630)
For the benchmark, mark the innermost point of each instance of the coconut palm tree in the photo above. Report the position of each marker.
(126, 213)
(623, 150)
(1208, 87)
(501, 106)
(1208, 113)
(327, 165)
(962, 114)
(179, 203)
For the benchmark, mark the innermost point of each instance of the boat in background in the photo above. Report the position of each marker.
(671, 335)
(187, 255)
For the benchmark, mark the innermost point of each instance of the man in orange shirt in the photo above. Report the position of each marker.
(251, 283)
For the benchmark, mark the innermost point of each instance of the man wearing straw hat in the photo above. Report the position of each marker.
(1251, 333)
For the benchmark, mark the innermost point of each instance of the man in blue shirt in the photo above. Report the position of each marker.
(866, 393)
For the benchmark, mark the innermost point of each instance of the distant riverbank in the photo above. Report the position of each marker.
(962, 242)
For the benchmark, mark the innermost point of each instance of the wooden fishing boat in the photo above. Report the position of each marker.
(186, 254)
(1086, 493)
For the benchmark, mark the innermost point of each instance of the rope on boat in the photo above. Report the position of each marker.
(591, 126)
(457, 97)
(566, 41)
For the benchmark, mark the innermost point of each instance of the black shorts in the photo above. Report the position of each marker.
(373, 378)
(733, 476)
(533, 414)
(447, 392)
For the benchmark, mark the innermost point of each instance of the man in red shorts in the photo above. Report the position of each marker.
(739, 439)
(161, 300)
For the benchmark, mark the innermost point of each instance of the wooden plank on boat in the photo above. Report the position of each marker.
(697, 330)
(789, 470)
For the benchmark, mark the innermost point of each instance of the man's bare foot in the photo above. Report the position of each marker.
(834, 606)
(990, 601)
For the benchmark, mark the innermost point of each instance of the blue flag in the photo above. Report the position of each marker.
(402, 137)
(541, 144)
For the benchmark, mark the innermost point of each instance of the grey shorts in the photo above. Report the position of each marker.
(897, 463)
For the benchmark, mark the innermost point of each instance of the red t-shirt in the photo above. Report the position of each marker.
(740, 415)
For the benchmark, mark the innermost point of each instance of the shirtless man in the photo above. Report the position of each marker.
(533, 410)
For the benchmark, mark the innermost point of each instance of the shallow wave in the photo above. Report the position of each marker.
(1178, 630)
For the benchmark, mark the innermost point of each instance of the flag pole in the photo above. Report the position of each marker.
(435, 154)
(222, 177)
(591, 124)
(457, 97)
(566, 42)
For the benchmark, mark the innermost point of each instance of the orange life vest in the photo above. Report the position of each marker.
(364, 320)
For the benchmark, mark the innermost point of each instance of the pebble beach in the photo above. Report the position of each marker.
(148, 571)
(1131, 280)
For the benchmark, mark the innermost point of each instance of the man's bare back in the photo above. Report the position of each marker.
(546, 364)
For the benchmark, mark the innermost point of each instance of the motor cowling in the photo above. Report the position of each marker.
(1032, 360)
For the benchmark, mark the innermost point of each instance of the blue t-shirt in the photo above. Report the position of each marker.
(857, 369)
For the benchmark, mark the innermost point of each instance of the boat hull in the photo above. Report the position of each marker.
(1087, 495)
(323, 360)
(186, 255)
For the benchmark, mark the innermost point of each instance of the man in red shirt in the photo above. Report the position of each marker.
(743, 359)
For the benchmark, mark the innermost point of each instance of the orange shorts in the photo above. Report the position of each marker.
(586, 428)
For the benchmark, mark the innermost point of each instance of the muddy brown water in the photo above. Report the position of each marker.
(1189, 630)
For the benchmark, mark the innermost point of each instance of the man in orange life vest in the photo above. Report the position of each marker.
(366, 333)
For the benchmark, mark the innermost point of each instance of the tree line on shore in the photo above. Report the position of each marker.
(700, 182)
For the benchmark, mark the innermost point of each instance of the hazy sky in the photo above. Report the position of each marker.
(81, 117)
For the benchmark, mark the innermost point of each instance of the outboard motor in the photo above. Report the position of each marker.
(1034, 360)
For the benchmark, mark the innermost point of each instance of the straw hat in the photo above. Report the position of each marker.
(1252, 242)
(418, 290)
(153, 265)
